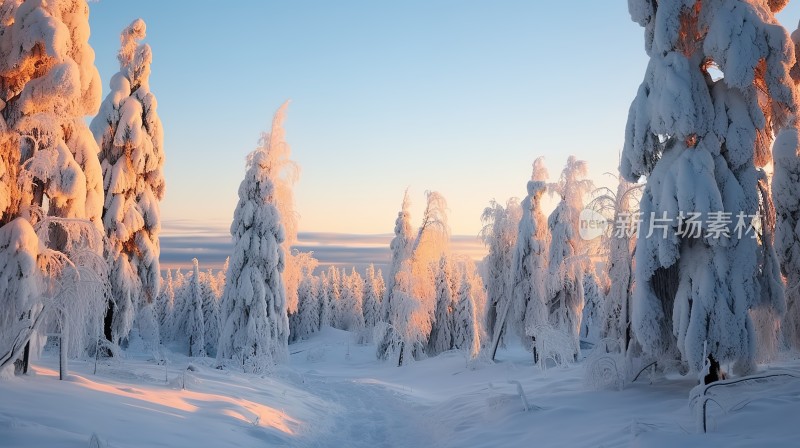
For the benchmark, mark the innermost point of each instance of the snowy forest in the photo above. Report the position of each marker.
(681, 269)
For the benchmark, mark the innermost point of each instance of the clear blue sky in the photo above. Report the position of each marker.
(454, 95)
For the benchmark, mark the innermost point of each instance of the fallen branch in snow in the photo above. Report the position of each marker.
(732, 394)
(522, 396)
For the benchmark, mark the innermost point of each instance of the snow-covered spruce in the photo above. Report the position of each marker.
(256, 326)
(49, 85)
(48, 158)
(786, 196)
(701, 143)
(568, 262)
(400, 246)
(373, 294)
(621, 208)
(308, 308)
(499, 235)
(305, 319)
(441, 338)
(130, 136)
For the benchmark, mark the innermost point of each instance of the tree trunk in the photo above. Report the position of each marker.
(107, 321)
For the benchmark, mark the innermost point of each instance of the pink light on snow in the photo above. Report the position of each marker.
(164, 400)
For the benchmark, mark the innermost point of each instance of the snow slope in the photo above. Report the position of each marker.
(335, 394)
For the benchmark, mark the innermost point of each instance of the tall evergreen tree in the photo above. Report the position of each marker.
(352, 301)
(442, 329)
(702, 142)
(372, 297)
(568, 262)
(129, 133)
(308, 307)
(499, 234)
(466, 328)
(400, 246)
(48, 158)
(526, 306)
(256, 325)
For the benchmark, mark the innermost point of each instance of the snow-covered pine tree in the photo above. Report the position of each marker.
(166, 302)
(702, 143)
(323, 297)
(466, 328)
(593, 309)
(410, 320)
(308, 307)
(441, 338)
(528, 270)
(335, 281)
(499, 235)
(786, 196)
(621, 208)
(380, 290)
(401, 249)
(130, 136)
(372, 297)
(352, 301)
(211, 314)
(195, 323)
(21, 288)
(256, 326)
(431, 243)
(286, 173)
(48, 84)
(304, 264)
(568, 261)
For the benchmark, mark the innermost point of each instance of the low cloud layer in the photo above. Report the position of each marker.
(211, 245)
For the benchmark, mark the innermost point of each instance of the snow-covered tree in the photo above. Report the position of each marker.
(400, 246)
(131, 139)
(308, 308)
(372, 297)
(211, 313)
(21, 288)
(193, 320)
(620, 207)
(48, 158)
(702, 141)
(594, 300)
(528, 270)
(166, 302)
(49, 84)
(499, 234)
(324, 299)
(286, 173)
(256, 326)
(786, 195)
(334, 294)
(466, 327)
(304, 263)
(352, 314)
(441, 338)
(568, 261)
(410, 320)
(412, 300)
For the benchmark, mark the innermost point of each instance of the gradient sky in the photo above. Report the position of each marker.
(458, 96)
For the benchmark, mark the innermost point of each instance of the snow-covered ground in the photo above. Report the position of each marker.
(335, 394)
